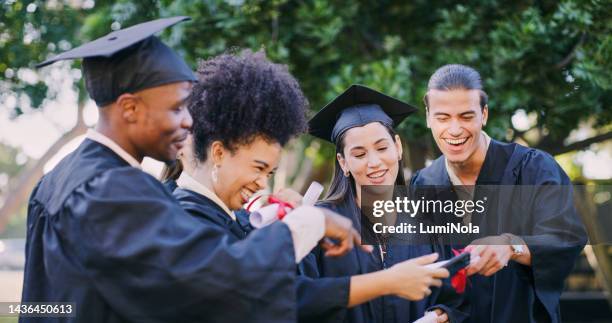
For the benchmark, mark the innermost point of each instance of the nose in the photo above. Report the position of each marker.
(261, 182)
(373, 160)
(455, 128)
(187, 120)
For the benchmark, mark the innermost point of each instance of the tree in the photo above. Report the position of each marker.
(549, 60)
(32, 31)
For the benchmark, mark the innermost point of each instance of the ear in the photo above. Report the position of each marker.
(342, 163)
(485, 115)
(217, 152)
(128, 105)
(398, 146)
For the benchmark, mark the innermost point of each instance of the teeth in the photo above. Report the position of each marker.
(455, 141)
(380, 174)
(245, 195)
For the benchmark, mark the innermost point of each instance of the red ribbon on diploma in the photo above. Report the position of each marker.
(459, 280)
(282, 206)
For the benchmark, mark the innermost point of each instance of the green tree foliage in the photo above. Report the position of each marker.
(551, 59)
(547, 57)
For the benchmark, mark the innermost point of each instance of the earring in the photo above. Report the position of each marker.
(215, 173)
(346, 174)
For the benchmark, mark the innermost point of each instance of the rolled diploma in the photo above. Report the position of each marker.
(267, 214)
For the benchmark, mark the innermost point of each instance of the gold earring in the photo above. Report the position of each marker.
(346, 174)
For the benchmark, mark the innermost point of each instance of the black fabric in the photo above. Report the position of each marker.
(519, 293)
(112, 239)
(127, 61)
(387, 309)
(355, 107)
(317, 299)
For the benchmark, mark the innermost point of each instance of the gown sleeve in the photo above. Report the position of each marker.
(558, 235)
(320, 299)
(152, 262)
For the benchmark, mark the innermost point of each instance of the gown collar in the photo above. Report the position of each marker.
(187, 182)
(110, 144)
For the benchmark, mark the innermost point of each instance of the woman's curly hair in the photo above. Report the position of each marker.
(242, 96)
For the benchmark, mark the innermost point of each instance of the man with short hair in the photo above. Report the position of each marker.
(520, 276)
(110, 239)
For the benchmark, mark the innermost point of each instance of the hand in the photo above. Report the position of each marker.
(290, 196)
(489, 255)
(340, 229)
(411, 279)
(442, 316)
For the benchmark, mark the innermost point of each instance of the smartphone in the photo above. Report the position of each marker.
(454, 264)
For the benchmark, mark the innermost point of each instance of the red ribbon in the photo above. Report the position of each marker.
(459, 280)
(282, 206)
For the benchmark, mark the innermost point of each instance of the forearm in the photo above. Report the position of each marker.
(366, 287)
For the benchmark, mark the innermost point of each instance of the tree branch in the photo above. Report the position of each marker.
(570, 56)
(21, 188)
(579, 145)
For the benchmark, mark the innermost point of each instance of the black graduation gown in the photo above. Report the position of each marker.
(112, 239)
(316, 298)
(519, 293)
(387, 309)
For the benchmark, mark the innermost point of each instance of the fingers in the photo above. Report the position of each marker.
(436, 283)
(427, 292)
(485, 254)
(442, 318)
(425, 260)
(342, 248)
(289, 195)
(493, 259)
(357, 242)
(439, 273)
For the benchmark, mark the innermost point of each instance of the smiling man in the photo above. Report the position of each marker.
(519, 266)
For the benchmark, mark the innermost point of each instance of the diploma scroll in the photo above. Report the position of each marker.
(268, 214)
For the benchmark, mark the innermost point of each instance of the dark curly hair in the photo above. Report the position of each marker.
(242, 96)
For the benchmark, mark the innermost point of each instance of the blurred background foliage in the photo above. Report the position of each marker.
(546, 64)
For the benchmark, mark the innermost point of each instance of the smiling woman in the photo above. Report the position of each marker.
(244, 109)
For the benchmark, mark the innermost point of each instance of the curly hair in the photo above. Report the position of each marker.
(242, 96)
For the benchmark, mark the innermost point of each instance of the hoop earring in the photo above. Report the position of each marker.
(347, 174)
(215, 173)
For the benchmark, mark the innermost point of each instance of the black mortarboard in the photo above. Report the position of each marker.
(127, 61)
(356, 107)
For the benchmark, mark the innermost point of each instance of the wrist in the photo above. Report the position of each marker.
(387, 283)
(516, 245)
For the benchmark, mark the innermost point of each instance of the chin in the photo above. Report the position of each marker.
(457, 158)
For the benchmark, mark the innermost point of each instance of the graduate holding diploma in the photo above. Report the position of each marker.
(110, 238)
(516, 277)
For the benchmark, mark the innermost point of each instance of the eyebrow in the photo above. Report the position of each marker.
(178, 104)
(376, 143)
(263, 163)
(448, 115)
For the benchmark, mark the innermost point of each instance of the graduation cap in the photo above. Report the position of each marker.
(128, 60)
(356, 107)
